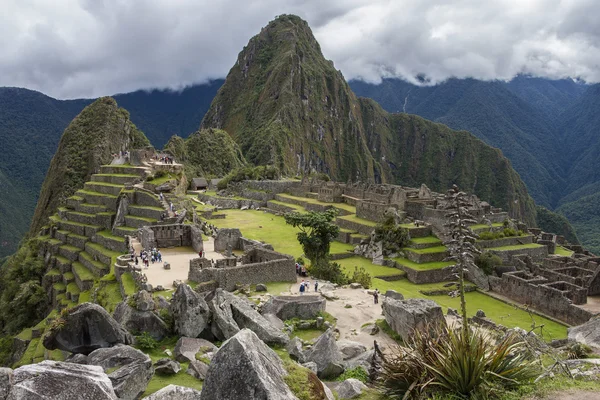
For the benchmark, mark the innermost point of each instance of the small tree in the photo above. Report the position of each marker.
(392, 235)
(317, 231)
(461, 244)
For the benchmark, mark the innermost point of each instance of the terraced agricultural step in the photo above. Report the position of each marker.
(418, 231)
(100, 253)
(125, 231)
(146, 211)
(282, 207)
(115, 179)
(90, 208)
(123, 169)
(138, 222)
(82, 218)
(59, 288)
(536, 251)
(79, 228)
(424, 242)
(69, 252)
(353, 223)
(316, 205)
(93, 265)
(103, 187)
(92, 197)
(73, 201)
(73, 292)
(61, 235)
(76, 240)
(83, 277)
(431, 272)
(68, 277)
(428, 255)
(112, 242)
(63, 264)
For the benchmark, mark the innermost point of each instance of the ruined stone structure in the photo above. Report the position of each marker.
(256, 265)
(176, 235)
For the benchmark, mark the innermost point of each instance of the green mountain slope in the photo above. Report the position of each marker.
(286, 105)
(99, 131)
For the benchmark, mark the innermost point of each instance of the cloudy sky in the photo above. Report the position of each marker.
(88, 48)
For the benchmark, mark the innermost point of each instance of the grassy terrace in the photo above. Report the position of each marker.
(484, 226)
(290, 205)
(53, 272)
(259, 225)
(91, 260)
(342, 206)
(426, 240)
(92, 193)
(104, 250)
(162, 179)
(561, 251)
(82, 272)
(424, 266)
(348, 265)
(119, 175)
(427, 250)
(516, 247)
(109, 235)
(128, 283)
(147, 208)
(213, 193)
(362, 221)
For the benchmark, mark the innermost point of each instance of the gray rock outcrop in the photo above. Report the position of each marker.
(135, 321)
(144, 301)
(174, 392)
(394, 295)
(350, 389)
(406, 316)
(294, 349)
(86, 327)
(350, 349)
(166, 366)
(326, 355)
(197, 369)
(588, 333)
(246, 368)
(134, 369)
(6, 382)
(190, 312)
(60, 380)
(231, 313)
(186, 348)
(288, 307)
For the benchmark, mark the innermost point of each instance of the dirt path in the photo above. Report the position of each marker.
(362, 311)
(569, 395)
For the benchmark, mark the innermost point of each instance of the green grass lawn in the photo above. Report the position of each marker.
(348, 265)
(272, 229)
(516, 247)
(294, 206)
(428, 250)
(424, 266)
(497, 310)
(162, 179)
(362, 221)
(348, 207)
(426, 240)
(561, 251)
(128, 283)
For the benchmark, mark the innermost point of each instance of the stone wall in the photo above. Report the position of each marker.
(538, 293)
(230, 203)
(175, 235)
(427, 276)
(354, 226)
(257, 195)
(228, 238)
(537, 254)
(509, 241)
(371, 211)
(273, 186)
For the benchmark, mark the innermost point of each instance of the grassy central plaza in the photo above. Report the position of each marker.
(272, 229)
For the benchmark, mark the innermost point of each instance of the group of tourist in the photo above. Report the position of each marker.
(301, 270)
(305, 286)
(148, 256)
(164, 159)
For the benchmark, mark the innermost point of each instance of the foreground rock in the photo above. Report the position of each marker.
(288, 307)
(351, 349)
(186, 348)
(134, 369)
(231, 313)
(190, 312)
(6, 382)
(86, 327)
(197, 369)
(135, 320)
(173, 392)
(350, 388)
(245, 368)
(166, 366)
(588, 333)
(327, 356)
(406, 316)
(61, 380)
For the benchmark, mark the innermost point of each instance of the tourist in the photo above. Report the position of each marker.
(376, 296)
(159, 256)
(308, 286)
(316, 285)
(136, 261)
(302, 288)
(171, 206)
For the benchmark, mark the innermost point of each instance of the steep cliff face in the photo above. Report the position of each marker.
(286, 105)
(100, 130)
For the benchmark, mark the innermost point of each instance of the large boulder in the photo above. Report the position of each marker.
(246, 368)
(6, 382)
(350, 349)
(295, 350)
(133, 369)
(288, 307)
(350, 389)
(587, 333)
(135, 321)
(61, 380)
(85, 328)
(406, 316)
(197, 369)
(186, 348)
(144, 301)
(190, 311)
(166, 366)
(174, 392)
(232, 313)
(326, 355)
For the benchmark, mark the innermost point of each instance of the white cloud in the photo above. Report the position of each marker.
(88, 48)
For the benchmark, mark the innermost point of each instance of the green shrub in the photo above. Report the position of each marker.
(361, 276)
(146, 342)
(328, 271)
(166, 316)
(300, 260)
(452, 363)
(577, 351)
(354, 373)
(488, 262)
(392, 235)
